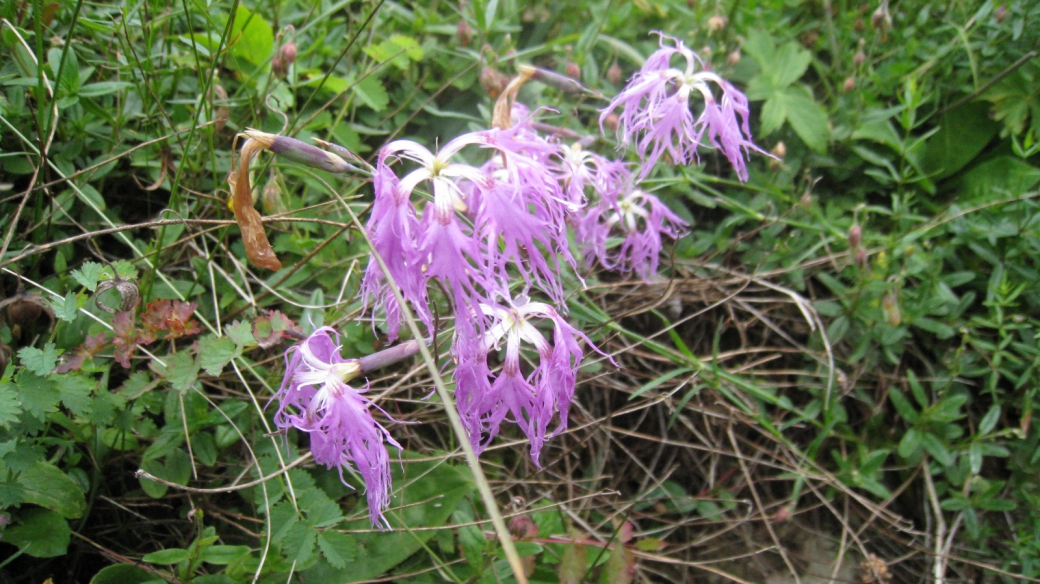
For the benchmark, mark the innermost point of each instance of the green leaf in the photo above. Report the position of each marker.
(910, 445)
(936, 448)
(122, 574)
(48, 487)
(903, 406)
(251, 37)
(10, 407)
(774, 112)
(88, 275)
(66, 309)
(806, 117)
(963, 133)
(102, 88)
(40, 361)
(241, 333)
(41, 533)
(788, 64)
(75, 393)
(371, 92)
(39, 395)
(338, 548)
(574, 562)
(181, 370)
(989, 421)
(298, 543)
(223, 554)
(216, 352)
(320, 509)
(167, 556)
(999, 177)
(659, 380)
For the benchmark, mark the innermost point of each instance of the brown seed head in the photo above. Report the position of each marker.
(849, 85)
(611, 122)
(717, 23)
(855, 236)
(859, 58)
(614, 74)
(492, 82)
(733, 58)
(572, 70)
(1000, 14)
(463, 33)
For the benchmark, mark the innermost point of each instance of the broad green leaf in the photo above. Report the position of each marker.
(216, 352)
(122, 574)
(45, 485)
(788, 64)
(41, 533)
(222, 554)
(181, 370)
(241, 333)
(338, 548)
(75, 393)
(962, 135)
(102, 88)
(998, 178)
(774, 112)
(903, 406)
(167, 556)
(806, 117)
(251, 37)
(39, 361)
(66, 309)
(39, 395)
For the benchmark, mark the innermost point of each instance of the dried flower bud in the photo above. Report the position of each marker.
(717, 23)
(859, 26)
(849, 85)
(492, 82)
(572, 70)
(522, 527)
(855, 236)
(890, 306)
(611, 122)
(300, 152)
(463, 33)
(861, 258)
(782, 514)
(733, 58)
(1000, 14)
(706, 53)
(566, 83)
(881, 20)
(809, 38)
(614, 74)
(780, 150)
(859, 58)
(24, 309)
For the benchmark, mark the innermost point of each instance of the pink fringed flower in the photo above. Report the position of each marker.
(656, 112)
(314, 398)
(640, 218)
(529, 400)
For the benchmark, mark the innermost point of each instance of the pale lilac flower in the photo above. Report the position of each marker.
(531, 400)
(640, 219)
(315, 398)
(656, 112)
(578, 168)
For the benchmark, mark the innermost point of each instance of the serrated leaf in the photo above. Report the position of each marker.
(338, 548)
(298, 543)
(40, 361)
(788, 64)
(181, 370)
(66, 309)
(41, 533)
(75, 393)
(39, 395)
(372, 93)
(87, 275)
(241, 333)
(10, 407)
(574, 562)
(283, 516)
(320, 509)
(216, 352)
(774, 113)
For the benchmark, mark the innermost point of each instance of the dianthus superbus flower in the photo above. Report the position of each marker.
(531, 400)
(315, 398)
(656, 114)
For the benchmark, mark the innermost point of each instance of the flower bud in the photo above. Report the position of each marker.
(855, 236)
(881, 20)
(859, 25)
(890, 306)
(733, 58)
(849, 85)
(614, 74)
(492, 82)
(861, 258)
(809, 38)
(780, 150)
(301, 152)
(717, 23)
(286, 56)
(1000, 14)
(221, 113)
(859, 58)
(522, 527)
(611, 122)
(566, 83)
(463, 33)
(572, 70)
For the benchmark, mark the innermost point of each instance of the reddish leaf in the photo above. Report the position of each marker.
(90, 347)
(269, 330)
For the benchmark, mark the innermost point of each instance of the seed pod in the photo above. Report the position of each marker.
(23, 309)
(611, 122)
(861, 258)
(492, 82)
(780, 150)
(572, 70)
(881, 20)
(614, 74)
(890, 306)
(859, 58)
(849, 85)
(221, 113)
(1000, 14)
(717, 23)
(128, 294)
(286, 56)
(463, 33)
(733, 58)
(855, 236)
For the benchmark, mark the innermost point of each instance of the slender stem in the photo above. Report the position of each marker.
(453, 416)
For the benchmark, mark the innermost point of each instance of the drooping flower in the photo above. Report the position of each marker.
(530, 400)
(656, 112)
(315, 398)
(640, 218)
